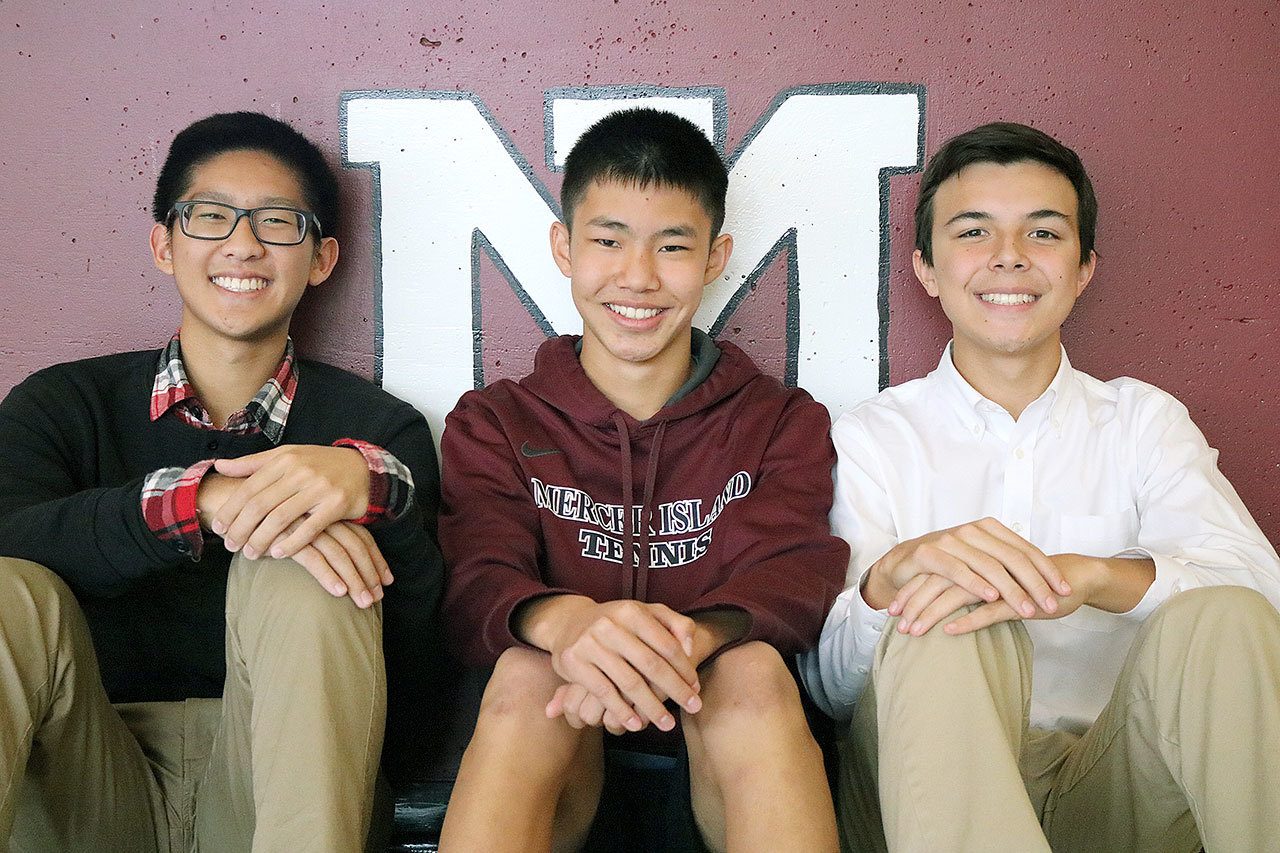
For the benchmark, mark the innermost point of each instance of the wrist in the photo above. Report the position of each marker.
(211, 494)
(876, 590)
(714, 629)
(541, 621)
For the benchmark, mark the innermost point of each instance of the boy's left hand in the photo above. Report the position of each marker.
(313, 485)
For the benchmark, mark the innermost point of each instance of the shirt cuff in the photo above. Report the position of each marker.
(1172, 577)
(390, 482)
(169, 506)
(837, 670)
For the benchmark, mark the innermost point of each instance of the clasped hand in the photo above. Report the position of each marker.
(924, 580)
(294, 501)
(621, 660)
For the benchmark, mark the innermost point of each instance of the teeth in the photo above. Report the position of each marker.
(1008, 298)
(239, 285)
(633, 313)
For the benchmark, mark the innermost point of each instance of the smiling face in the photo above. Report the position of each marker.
(1006, 261)
(638, 259)
(238, 289)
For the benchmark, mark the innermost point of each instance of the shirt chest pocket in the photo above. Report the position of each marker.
(1098, 535)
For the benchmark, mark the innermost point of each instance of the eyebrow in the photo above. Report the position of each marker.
(616, 225)
(981, 216)
(270, 201)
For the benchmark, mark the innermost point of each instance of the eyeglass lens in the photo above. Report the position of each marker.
(210, 220)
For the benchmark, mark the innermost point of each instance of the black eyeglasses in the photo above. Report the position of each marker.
(275, 226)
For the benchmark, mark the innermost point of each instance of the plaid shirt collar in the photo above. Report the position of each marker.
(265, 413)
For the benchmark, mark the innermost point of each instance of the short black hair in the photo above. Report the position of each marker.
(1004, 143)
(646, 147)
(248, 131)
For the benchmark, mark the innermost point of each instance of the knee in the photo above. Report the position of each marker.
(282, 589)
(1219, 616)
(276, 610)
(748, 686)
(32, 595)
(517, 692)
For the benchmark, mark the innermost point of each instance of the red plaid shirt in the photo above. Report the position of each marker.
(169, 494)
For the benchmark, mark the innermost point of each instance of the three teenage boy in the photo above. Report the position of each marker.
(637, 531)
(124, 615)
(1053, 633)
(644, 464)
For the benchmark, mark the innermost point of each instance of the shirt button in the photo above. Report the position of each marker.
(213, 444)
(1017, 527)
(1019, 453)
(862, 670)
(875, 628)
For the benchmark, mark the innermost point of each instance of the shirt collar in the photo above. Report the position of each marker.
(267, 412)
(973, 408)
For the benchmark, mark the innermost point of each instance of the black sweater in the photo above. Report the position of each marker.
(76, 441)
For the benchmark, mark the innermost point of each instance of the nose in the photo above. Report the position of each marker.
(638, 271)
(242, 242)
(1009, 255)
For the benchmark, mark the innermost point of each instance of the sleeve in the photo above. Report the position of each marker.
(411, 635)
(169, 505)
(835, 671)
(390, 482)
(787, 567)
(94, 537)
(1191, 522)
(490, 534)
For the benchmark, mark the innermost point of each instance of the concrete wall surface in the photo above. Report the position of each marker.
(448, 123)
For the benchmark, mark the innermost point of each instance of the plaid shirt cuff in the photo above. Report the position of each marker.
(169, 506)
(390, 483)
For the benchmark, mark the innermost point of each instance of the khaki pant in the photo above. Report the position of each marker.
(1185, 751)
(284, 762)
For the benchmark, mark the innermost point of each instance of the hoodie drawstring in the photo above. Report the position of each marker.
(628, 531)
(651, 477)
(637, 563)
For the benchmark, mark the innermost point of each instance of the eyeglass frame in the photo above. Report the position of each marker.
(310, 220)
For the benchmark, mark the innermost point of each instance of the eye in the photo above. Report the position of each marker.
(673, 247)
(210, 215)
(972, 232)
(1043, 234)
(607, 242)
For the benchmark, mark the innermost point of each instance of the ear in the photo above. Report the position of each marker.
(560, 248)
(1086, 272)
(162, 248)
(925, 273)
(718, 259)
(323, 261)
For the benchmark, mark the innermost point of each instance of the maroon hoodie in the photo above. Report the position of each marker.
(720, 500)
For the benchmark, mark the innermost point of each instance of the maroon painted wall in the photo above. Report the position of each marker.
(1173, 108)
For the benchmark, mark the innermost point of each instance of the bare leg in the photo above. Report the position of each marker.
(526, 783)
(756, 773)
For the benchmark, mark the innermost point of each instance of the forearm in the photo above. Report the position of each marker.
(95, 539)
(1119, 583)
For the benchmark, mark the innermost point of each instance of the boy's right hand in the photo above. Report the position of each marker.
(630, 655)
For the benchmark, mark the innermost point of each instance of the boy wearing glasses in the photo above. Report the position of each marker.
(207, 547)
(1059, 630)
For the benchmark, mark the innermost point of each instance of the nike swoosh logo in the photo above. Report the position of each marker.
(531, 452)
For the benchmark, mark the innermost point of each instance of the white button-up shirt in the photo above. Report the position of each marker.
(1098, 468)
